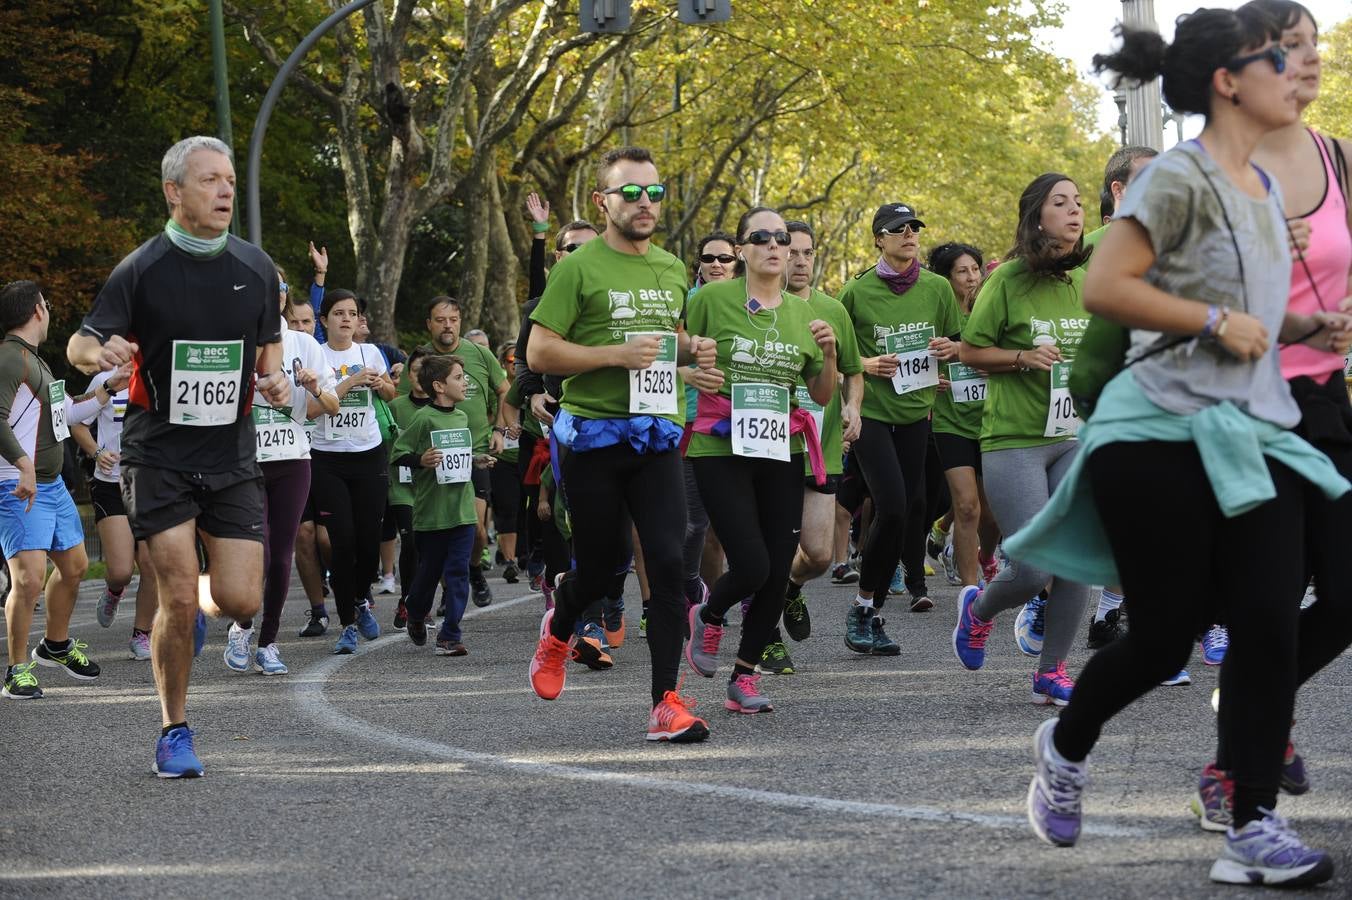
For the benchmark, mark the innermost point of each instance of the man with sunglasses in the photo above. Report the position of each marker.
(610, 321)
(908, 317)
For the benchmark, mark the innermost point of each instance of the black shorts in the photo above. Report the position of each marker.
(106, 498)
(506, 497)
(956, 451)
(851, 488)
(830, 488)
(483, 484)
(225, 505)
(307, 513)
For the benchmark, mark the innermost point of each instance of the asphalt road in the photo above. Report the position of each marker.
(396, 773)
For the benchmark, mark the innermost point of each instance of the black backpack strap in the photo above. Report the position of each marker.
(1340, 165)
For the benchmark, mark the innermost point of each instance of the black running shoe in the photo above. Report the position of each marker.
(479, 588)
(73, 659)
(400, 616)
(511, 574)
(318, 624)
(882, 644)
(417, 632)
(797, 622)
(1104, 632)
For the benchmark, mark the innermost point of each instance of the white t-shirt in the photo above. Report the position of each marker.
(299, 351)
(109, 420)
(354, 429)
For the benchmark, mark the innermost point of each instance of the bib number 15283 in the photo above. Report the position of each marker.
(653, 390)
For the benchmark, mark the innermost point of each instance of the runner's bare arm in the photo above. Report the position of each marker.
(86, 353)
(550, 354)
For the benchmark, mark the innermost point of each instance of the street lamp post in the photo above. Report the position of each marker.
(1120, 98)
(1145, 125)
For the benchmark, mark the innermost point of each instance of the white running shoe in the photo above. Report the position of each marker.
(268, 660)
(237, 648)
(386, 583)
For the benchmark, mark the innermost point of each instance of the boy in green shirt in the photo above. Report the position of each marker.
(439, 446)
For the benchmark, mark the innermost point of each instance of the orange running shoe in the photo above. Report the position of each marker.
(548, 666)
(672, 721)
(615, 638)
(587, 649)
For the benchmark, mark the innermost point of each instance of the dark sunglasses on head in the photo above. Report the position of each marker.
(630, 193)
(1276, 53)
(724, 258)
(761, 236)
(569, 248)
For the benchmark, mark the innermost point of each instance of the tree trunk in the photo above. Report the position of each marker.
(478, 201)
(501, 313)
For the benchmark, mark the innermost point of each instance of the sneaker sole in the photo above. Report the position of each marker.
(1027, 649)
(1045, 700)
(924, 604)
(764, 671)
(441, 651)
(191, 773)
(862, 651)
(695, 733)
(6, 694)
(53, 664)
(344, 651)
(593, 659)
(1229, 871)
(1196, 807)
(734, 706)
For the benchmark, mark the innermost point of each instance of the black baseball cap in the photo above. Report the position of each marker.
(892, 216)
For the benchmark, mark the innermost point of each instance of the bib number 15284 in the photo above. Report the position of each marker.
(760, 421)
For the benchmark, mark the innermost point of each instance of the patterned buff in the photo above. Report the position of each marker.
(899, 282)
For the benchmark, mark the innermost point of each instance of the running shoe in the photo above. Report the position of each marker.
(1106, 630)
(451, 648)
(417, 632)
(22, 683)
(898, 585)
(775, 660)
(1214, 644)
(922, 603)
(139, 645)
(1182, 679)
(548, 667)
(317, 624)
(175, 756)
(969, 638)
(347, 642)
(797, 621)
(73, 660)
(237, 648)
(366, 622)
(1310, 597)
(990, 569)
(400, 615)
(268, 660)
(1054, 793)
(643, 624)
(882, 644)
(547, 590)
(1267, 851)
(671, 720)
(511, 574)
(859, 629)
(612, 622)
(536, 583)
(1213, 804)
(479, 589)
(386, 584)
(845, 573)
(486, 560)
(1294, 780)
(199, 633)
(1053, 688)
(950, 566)
(744, 695)
(106, 611)
(701, 651)
(589, 649)
(441, 604)
(1030, 626)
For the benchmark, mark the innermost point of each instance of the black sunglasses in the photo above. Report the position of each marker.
(761, 236)
(569, 248)
(630, 193)
(724, 258)
(1276, 53)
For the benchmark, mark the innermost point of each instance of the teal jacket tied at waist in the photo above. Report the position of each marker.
(1067, 538)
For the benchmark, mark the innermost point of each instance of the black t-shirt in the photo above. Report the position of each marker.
(157, 295)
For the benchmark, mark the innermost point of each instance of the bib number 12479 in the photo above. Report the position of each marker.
(204, 382)
(760, 421)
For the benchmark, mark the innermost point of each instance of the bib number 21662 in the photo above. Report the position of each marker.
(760, 421)
(204, 383)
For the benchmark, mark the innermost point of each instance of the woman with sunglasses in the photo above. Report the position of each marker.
(1197, 264)
(1312, 170)
(909, 318)
(701, 552)
(747, 447)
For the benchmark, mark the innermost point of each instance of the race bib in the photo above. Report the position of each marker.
(353, 421)
(966, 384)
(405, 475)
(56, 395)
(1061, 417)
(760, 421)
(653, 390)
(276, 435)
(204, 382)
(916, 368)
(510, 443)
(457, 455)
(817, 411)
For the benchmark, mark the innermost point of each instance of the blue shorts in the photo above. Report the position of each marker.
(52, 524)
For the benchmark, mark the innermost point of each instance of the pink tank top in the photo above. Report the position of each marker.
(1329, 258)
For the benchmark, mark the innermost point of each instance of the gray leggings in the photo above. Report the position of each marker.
(1018, 484)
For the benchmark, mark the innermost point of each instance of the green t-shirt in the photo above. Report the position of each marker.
(483, 374)
(829, 310)
(877, 313)
(594, 297)
(1013, 307)
(435, 506)
(773, 346)
(1091, 241)
(955, 416)
(403, 409)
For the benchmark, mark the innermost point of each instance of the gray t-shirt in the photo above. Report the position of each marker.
(1195, 259)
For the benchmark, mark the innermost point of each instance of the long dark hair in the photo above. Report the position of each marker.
(1286, 13)
(1204, 41)
(1037, 249)
(944, 257)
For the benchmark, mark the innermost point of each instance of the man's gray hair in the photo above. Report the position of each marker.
(174, 166)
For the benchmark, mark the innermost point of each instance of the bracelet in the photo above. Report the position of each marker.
(539, 227)
(1018, 364)
(1225, 320)
(1213, 315)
